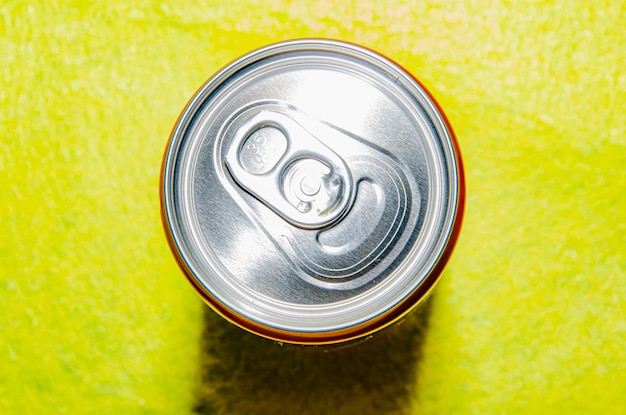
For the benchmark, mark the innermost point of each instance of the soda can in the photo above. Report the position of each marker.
(312, 191)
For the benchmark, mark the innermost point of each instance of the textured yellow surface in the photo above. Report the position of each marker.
(96, 318)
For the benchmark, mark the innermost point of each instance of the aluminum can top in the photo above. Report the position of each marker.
(312, 191)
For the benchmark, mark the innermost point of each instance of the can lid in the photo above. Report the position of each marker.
(312, 191)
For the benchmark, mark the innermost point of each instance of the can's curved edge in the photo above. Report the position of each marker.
(346, 334)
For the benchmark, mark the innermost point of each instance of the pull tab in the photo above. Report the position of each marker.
(293, 173)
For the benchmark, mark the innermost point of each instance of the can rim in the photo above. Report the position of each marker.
(387, 317)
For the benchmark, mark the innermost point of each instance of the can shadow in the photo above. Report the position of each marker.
(241, 373)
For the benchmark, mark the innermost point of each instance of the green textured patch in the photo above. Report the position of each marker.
(530, 316)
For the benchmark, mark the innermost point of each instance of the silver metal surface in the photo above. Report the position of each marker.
(310, 186)
(292, 172)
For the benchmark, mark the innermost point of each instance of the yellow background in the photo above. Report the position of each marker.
(530, 316)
